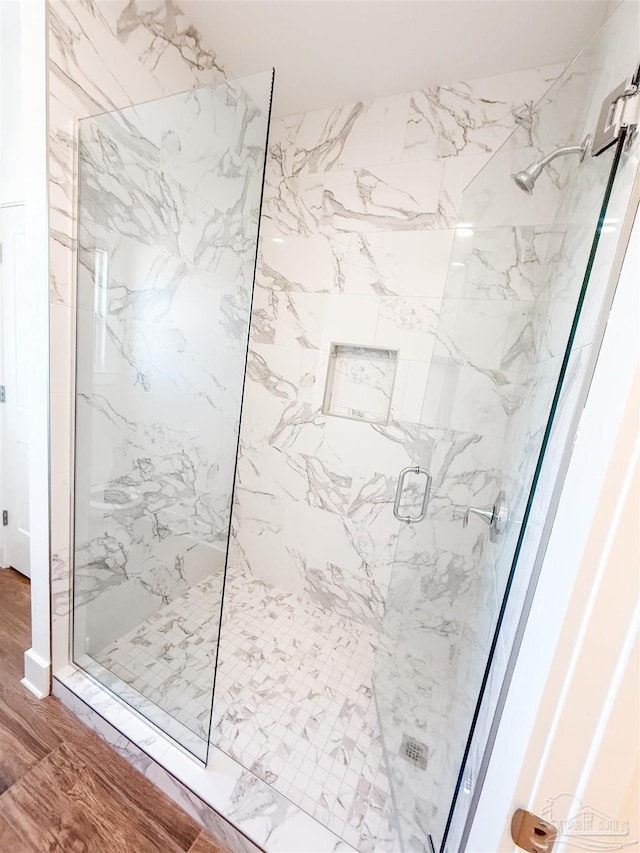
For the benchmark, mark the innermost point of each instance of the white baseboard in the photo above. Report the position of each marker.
(37, 674)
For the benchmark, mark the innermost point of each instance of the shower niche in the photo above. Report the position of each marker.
(360, 382)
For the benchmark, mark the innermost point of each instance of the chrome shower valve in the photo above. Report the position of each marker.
(495, 516)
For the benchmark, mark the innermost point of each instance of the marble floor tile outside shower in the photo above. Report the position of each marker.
(293, 699)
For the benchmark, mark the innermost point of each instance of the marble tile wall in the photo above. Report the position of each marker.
(359, 216)
(517, 267)
(102, 56)
(362, 211)
(568, 112)
(168, 209)
(169, 195)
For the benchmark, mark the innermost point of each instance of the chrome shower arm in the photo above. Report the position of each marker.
(560, 152)
(535, 169)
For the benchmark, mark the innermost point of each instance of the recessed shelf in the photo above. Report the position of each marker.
(360, 382)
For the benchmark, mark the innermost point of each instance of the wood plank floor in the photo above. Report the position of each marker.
(63, 789)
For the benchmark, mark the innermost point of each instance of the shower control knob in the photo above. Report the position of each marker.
(495, 516)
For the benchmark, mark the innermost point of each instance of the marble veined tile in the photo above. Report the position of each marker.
(409, 390)
(327, 555)
(340, 137)
(424, 681)
(493, 199)
(164, 41)
(394, 197)
(458, 326)
(399, 263)
(291, 205)
(309, 264)
(90, 72)
(154, 209)
(303, 477)
(169, 659)
(459, 173)
(229, 801)
(165, 224)
(314, 320)
(476, 116)
(264, 315)
(503, 262)
(210, 135)
(409, 324)
(314, 735)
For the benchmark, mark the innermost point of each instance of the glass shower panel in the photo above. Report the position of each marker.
(518, 268)
(169, 206)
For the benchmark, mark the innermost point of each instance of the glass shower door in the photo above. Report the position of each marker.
(509, 344)
(168, 213)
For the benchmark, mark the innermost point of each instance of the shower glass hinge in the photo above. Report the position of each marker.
(3, 394)
(5, 518)
(620, 109)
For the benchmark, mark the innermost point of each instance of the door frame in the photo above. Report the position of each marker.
(599, 414)
(34, 51)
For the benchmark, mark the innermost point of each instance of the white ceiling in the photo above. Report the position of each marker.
(332, 52)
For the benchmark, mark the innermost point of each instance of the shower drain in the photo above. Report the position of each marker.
(414, 751)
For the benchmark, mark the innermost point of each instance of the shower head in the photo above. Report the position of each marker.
(526, 179)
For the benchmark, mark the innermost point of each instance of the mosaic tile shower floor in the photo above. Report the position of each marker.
(293, 698)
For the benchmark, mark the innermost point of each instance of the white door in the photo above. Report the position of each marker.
(15, 336)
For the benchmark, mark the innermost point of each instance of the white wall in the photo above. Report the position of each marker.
(23, 133)
(11, 186)
(11, 148)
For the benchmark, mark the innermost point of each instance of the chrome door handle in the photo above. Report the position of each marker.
(495, 516)
(412, 519)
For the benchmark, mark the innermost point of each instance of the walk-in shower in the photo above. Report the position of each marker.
(316, 385)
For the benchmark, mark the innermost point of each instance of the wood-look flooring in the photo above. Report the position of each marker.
(63, 789)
